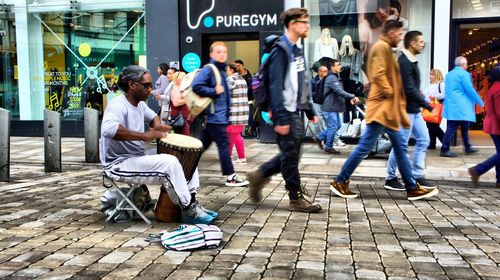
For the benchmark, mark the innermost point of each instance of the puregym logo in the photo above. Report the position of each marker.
(231, 20)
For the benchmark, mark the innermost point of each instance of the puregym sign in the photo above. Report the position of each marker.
(226, 15)
(245, 20)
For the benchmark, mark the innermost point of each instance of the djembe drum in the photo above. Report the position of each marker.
(188, 150)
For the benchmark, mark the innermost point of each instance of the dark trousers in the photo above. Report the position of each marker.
(451, 129)
(252, 128)
(494, 160)
(434, 132)
(217, 133)
(287, 161)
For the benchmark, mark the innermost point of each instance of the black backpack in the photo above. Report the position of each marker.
(260, 80)
(319, 95)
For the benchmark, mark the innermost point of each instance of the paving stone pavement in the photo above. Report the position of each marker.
(51, 228)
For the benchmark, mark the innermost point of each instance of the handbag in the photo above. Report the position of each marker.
(176, 122)
(436, 116)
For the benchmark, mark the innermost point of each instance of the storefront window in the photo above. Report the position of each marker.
(475, 8)
(346, 30)
(9, 97)
(83, 53)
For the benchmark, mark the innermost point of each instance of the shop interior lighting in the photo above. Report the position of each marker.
(475, 1)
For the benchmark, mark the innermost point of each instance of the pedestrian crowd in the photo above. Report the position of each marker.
(394, 106)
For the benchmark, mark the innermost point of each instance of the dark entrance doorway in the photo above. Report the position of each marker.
(479, 42)
(244, 46)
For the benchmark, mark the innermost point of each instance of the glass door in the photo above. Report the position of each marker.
(480, 44)
(9, 96)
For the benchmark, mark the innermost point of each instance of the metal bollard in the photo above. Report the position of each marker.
(91, 128)
(52, 132)
(4, 145)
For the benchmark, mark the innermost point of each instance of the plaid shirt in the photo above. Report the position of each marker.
(238, 113)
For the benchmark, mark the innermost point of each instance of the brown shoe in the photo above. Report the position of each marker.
(474, 177)
(257, 181)
(303, 205)
(342, 189)
(420, 193)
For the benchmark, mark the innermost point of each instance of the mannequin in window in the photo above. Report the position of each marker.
(351, 58)
(325, 46)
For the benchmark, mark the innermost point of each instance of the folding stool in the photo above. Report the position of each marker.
(125, 204)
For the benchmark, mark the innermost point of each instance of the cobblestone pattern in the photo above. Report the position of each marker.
(51, 228)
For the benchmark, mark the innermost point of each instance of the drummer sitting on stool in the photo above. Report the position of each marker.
(122, 146)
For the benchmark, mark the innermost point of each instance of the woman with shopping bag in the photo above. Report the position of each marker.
(435, 94)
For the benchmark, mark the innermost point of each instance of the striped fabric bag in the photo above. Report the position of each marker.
(191, 237)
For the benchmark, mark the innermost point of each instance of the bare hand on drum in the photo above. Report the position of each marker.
(164, 127)
(153, 134)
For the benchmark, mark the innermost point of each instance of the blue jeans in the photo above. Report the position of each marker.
(320, 125)
(419, 129)
(451, 129)
(365, 145)
(494, 160)
(332, 120)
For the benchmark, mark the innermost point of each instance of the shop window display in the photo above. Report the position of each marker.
(83, 55)
(355, 25)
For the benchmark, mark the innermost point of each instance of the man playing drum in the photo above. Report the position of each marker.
(122, 149)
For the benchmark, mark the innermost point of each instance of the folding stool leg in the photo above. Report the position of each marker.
(125, 198)
(131, 204)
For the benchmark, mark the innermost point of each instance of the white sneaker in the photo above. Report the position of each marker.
(339, 143)
(240, 160)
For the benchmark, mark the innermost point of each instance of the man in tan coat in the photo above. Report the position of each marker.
(386, 110)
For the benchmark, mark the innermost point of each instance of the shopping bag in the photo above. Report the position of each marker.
(436, 115)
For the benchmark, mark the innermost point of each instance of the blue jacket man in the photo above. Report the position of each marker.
(458, 107)
(289, 95)
(216, 122)
(460, 96)
(332, 106)
(204, 85)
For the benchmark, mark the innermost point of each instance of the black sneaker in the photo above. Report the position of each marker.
(424, 183)
(332, 151)
(318, 142)
(471, 150)
(447, 154)
(394, 185)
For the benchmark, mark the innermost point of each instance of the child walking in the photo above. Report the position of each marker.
(238, 113)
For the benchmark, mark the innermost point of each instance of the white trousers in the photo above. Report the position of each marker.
(161, 169)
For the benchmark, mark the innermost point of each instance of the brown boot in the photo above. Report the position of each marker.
(342, 189)
(420, 193)
(303, 205)
(474, 177)
(257, 181)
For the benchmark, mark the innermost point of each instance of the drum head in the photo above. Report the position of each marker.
(182, 141)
